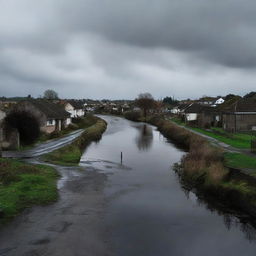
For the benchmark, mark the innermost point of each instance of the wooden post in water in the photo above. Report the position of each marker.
(121, 157)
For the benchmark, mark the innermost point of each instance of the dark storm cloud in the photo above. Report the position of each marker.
(220, 31)
(113, 48)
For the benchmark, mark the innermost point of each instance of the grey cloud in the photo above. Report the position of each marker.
(220, 31)
(113, 48)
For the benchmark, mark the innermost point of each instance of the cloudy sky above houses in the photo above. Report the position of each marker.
(118, 49)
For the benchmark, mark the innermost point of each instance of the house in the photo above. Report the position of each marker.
(52, 117)
(74, 107)
(179, 109)
(191, 112)
(202, 116)
(240, 116)
(219, 101)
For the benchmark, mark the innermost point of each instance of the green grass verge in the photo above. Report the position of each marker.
(23, 185)
(237, 140)
(71, 154)
(240, 161)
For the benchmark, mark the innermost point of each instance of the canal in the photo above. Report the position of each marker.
(148, 213)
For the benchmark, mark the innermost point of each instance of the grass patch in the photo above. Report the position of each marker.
(237, 140)
(24, 185)
(71, 154)
(240, 161)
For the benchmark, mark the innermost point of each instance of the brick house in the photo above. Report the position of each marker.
(52, 117)
(240, 116)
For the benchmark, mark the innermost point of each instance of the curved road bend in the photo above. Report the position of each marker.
(132, 208)
(44, 148)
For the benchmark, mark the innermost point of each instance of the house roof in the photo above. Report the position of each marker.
(77, 104)
(183, 106)
(51, 110)
(194, 108)
(243, 105)
(198, 108)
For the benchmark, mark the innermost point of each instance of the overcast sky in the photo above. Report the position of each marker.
(117, 49)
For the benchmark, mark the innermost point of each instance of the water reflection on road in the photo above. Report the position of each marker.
(148, 212)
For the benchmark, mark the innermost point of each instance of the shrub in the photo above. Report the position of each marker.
(132, 115)
(203, 163)
(26, 124)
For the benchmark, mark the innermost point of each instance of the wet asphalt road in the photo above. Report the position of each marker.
(71, 226)
(44, 148)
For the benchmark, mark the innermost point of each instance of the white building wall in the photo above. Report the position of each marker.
(2, 115)
(68, 121)
(191, 117)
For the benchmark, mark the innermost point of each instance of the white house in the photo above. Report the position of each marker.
(219, 101)
(75, 108)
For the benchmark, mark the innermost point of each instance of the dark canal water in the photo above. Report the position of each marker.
(148, 213)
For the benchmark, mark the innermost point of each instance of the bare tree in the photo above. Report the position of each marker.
(145, 101)
(50, 95)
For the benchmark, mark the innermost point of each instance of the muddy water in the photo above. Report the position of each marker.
(148, 212)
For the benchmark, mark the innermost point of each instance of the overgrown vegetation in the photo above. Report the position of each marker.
(23, 185)
(202, 168)
(71, 154)
(132, 115)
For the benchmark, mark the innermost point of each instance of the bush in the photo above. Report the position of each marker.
(132, 115)
(26, 124)
(203, 163)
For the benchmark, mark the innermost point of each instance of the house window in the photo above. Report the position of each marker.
(50, 122)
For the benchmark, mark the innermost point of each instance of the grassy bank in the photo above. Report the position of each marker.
(23, 185)
(237, 140)
(240, 161)
(203, 169)
(71, 154)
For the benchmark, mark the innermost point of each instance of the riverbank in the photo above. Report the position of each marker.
(24, 185)
(71, 154)
(238, 153)
(203, 168)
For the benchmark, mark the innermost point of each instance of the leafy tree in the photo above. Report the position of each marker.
(50, 95)
(145, 101)
(26, 124)
(230, 96)
(170, 101)
(250, 95)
